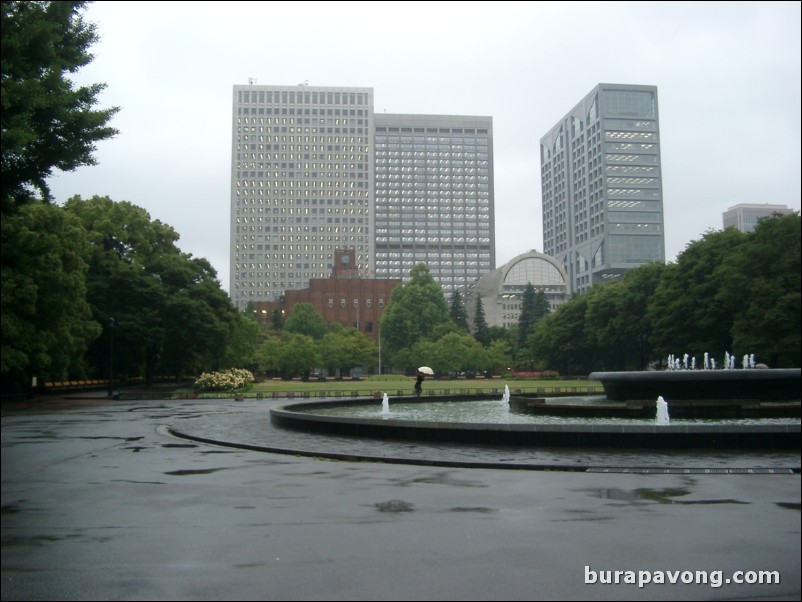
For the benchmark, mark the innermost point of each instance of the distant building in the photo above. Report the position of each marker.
(434, 197)
(745, 217)
(347, 297)
(501, 290)
(301, 186)
(602, 185)
(307, 178)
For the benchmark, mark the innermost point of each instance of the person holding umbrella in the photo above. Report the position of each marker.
(422, 372)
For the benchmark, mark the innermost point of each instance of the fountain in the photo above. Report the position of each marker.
(662, 412)
(358, 417)
(738, 387)
(628, 417)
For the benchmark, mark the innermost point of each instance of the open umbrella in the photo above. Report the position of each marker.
(426, 370)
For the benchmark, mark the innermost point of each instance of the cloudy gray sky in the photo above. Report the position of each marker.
(727, 73)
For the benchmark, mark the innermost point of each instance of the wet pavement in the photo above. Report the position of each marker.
(101, 501)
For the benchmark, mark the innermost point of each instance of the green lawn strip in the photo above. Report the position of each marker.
(401, 385)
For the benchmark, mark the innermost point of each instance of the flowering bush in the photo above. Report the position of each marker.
(543, 374)
(226, 380)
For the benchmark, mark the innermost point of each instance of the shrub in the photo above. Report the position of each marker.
(226, 380)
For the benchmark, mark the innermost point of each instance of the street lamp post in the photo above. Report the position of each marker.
(111, 357)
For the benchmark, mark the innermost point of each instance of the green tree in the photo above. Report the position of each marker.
(687, 313)
(267, 355)
(305, 319)
(458, 313)
(47, 322)
(761, 280)
(561, 342)
(298, 354)
(414, 311)
(343, 349)
(47, 122)
(481, 329)
(456, 352)
(618, 318)
(242, 343)
(534, 306)
(499, 357)
(170, 312)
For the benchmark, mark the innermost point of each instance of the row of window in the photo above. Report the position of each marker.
(355, 302)
(302, 98)
(458, 155)
(471, 240)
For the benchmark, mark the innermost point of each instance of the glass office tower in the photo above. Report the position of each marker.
(602, 185)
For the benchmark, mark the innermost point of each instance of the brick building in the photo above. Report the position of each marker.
(349, 297)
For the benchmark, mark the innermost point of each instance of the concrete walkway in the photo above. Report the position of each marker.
(100, 502)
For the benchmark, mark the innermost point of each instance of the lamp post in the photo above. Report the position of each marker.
(111, 357)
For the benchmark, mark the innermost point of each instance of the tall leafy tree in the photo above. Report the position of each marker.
(459, 314)
(414, 311)
(762, 281)
(560, 341)
(47, 322)
(687, 313)
(171, 316)
(47, 122)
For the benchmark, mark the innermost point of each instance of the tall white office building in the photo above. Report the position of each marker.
(302, 186)
(602, 185)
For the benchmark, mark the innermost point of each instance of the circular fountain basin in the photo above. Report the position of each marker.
(336, 417)
(755, 384)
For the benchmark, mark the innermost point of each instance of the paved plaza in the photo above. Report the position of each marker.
(101, 501)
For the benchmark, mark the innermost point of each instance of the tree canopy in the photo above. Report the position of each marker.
(415, 310)
(459, 314)
(47, 122)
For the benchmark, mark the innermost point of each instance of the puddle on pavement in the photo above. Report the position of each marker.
(394, 506)
(660, 496)
(184, 473)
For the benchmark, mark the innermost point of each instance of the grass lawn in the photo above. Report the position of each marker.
(402, 385)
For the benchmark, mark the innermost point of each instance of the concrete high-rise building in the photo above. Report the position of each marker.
(301, 186)
(745, 217)
(434, 197)
(602, 185)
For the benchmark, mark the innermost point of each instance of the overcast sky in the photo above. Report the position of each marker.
(727, 73)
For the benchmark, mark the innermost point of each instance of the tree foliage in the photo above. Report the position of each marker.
(170, 314)
(729, 292)
(687, 313)
(761, 281)
(305, 319)
(481, 330)
(459, 314)
(47, 122)
(47, 322)
(414, 311)
(534, 306)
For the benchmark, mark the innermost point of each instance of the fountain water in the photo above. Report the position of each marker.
(506, 397)
(385, 405)
(662, 418)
